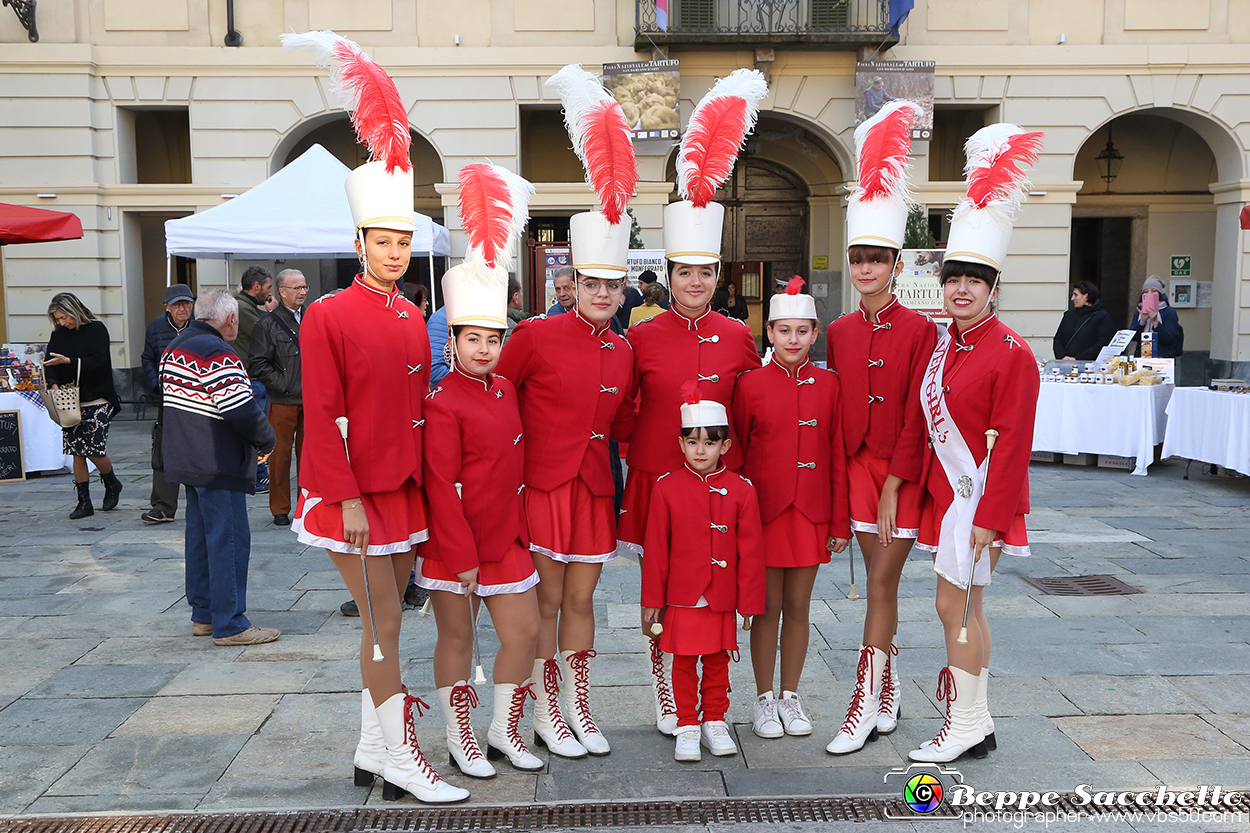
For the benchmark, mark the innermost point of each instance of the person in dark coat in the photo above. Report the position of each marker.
(1163, 322)
(78, 353)
(163, 329)
(728, 302)
(1086, 328)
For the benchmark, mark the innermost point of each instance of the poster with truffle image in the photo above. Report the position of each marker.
(648, 92)
(877, 83)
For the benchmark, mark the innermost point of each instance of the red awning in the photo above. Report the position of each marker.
(19, 224)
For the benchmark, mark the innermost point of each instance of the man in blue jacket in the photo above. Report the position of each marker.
(178, 307)
(214, 436)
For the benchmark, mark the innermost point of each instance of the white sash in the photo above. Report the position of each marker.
(954, 551)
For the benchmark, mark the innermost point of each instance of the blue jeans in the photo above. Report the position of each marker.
(262, 399)
(218, 546)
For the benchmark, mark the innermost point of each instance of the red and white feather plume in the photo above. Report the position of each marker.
(365, 90)
(601, 137)
(718, 126)
(494, 207)
(997, 158)
(883, 147)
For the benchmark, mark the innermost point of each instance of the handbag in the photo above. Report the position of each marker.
(62, 403)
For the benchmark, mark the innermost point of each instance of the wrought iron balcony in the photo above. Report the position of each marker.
(748, 22)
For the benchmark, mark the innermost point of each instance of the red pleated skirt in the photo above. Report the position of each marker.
(514, 573)
(397, 521)
(868, 473)
(631, 529)
(1015, 541)
(695, 631)
(571, 523)
(791, 540)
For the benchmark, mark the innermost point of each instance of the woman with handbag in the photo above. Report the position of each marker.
(78, 356)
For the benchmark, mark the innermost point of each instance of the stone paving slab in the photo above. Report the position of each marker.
(140, 764)
(1138, 737)
(1103, 694)
(109, 681)
(66, 721)
(237, 714)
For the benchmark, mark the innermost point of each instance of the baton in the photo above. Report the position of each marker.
(341, 422)
(990, 437)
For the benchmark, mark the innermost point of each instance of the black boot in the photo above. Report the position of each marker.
(112, 490)
(84, 507)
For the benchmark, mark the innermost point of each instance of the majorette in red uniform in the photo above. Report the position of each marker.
(704, 561)
(474, 462)
(787, 415)
(689, 341)
(367, 365)
(572, 375)
(880, 352)
(980, 398)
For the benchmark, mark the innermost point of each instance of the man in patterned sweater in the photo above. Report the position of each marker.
(214, 436)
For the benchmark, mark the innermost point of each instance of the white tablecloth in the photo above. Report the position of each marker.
(41, 437)
(1102, 419)
(1210, 427)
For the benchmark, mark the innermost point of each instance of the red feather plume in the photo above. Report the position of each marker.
(485, 210)
(380, 119)
(690, 393)
(795, 286)
(717, 128)
(610, 160)
(883, 151)
(998, 173)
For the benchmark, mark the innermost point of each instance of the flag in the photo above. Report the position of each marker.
(661, 15)
(899, 9)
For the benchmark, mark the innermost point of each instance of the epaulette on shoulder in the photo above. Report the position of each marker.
(662, 476)
(746, 481)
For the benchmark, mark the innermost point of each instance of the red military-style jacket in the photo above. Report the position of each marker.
(880, 364)
(669, 351)
(366, 356)
(993, 385)
(790, 427)
(573, 383)
(473, 439)
(694, 521)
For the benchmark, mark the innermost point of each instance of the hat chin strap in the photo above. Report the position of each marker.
(364, 257)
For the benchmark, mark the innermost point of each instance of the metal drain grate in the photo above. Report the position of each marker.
(527, 817)
(1082, 586)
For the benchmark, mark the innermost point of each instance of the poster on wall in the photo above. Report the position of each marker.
(877, 83)
(552, 259)
(641, 260)
(648, 92)
(918, 286)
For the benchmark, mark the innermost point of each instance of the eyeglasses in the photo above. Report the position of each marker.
(301, 288)
(592, 286)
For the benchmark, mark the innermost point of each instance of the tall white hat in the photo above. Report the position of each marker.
(600, 248)
(494, 205)
(877, 212)
(697, 412)
(603, 141)
(718, 126)
(982, 222)
(379, 192)
(792, 303)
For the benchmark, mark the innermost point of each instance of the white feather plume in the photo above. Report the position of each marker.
(983, 149)
(520, 193)
(699, 164)
(579, 91)
(324, 45)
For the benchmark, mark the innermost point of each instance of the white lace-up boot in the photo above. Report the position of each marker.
(661, 686)
(962, 732)
(466, 755)
(503, 739)
(860, 725)
(983, 710)
(891, 694)
(575, 701)
(550, 730)
(407, 770)
(370, 755)
(765, 722)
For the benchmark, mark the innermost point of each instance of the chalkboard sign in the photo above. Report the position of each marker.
(11, 463)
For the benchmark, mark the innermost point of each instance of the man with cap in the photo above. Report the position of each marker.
(179, 303)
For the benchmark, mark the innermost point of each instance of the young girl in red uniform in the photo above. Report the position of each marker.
(689, 341)
(367, 359)
(787, 415)
(879, 352)
(474, 458)
(703, 562)
(980, 398)
(572, 374)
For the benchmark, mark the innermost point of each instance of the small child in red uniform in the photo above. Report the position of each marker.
(704, 561)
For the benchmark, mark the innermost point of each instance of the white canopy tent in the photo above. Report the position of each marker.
(300, 211)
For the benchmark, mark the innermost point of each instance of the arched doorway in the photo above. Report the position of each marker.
(1159, 206)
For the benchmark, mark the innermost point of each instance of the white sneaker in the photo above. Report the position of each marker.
(718, 739)
(687, 748)
(790, 709)
(765, 723)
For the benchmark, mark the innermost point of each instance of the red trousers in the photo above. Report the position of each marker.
(288, 429)
(714, 689)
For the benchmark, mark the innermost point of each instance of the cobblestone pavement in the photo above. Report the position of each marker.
(107, 703)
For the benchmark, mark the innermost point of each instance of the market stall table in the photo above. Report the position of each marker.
(1074, 418)
(41, 437)
(1209, 426)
